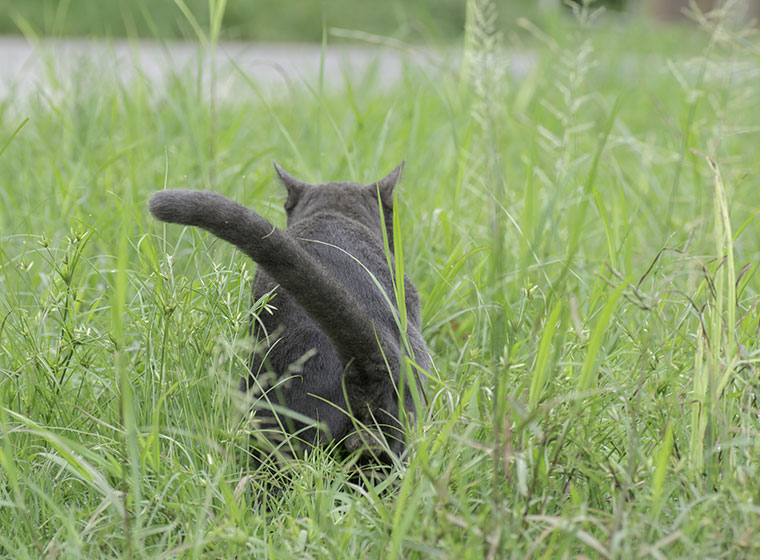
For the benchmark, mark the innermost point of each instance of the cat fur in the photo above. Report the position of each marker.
(334, 352)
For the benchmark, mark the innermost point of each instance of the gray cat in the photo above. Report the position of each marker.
(334, 352)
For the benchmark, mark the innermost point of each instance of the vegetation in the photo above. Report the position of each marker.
(261, 20)
(585, 241)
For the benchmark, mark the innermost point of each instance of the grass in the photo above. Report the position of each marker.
(585, 243)
(263, 20)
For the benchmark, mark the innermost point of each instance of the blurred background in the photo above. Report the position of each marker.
(438, 21)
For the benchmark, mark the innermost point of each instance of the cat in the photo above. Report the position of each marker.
(334, 352)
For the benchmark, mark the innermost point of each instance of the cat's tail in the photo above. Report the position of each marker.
(335, 310)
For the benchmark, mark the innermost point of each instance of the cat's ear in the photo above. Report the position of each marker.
(295, 187)
(386, 185)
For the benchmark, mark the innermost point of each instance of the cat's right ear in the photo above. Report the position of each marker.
(295, 187)
(386, 185)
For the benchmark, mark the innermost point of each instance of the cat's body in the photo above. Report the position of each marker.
(333, 352)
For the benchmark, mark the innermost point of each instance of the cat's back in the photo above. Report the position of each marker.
(352, 254)
(348, 249)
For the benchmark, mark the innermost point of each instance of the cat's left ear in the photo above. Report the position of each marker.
(387, 184)
(295, 187)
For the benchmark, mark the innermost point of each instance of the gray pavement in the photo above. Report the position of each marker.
(26, 67)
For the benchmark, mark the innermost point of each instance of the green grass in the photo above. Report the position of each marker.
(588, 286)
(259, 20)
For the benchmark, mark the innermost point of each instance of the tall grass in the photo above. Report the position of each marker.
(594, 329)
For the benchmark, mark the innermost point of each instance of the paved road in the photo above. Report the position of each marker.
(25, 67)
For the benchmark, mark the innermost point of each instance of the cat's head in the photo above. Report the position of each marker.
(356, 201)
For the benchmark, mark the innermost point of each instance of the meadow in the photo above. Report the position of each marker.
(263, 20)
(585, 242)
